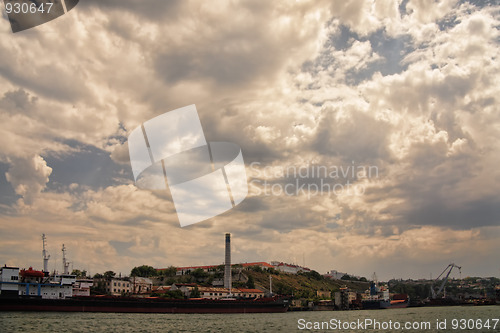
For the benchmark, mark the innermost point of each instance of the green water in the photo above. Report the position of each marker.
(272, 322)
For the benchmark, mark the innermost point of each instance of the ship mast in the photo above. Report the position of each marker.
(46, 257)
(65, 263)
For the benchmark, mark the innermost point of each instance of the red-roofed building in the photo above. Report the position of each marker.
(248, 293)
(260, 264)
(289, 268)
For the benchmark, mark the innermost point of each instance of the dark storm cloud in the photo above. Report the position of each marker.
(89, 166)
(436, 209)
(17, 100)
(358, 137)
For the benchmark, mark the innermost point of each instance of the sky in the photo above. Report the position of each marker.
(405, 93)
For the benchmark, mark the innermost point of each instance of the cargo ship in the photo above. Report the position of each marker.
(144, 305)
(378, 297)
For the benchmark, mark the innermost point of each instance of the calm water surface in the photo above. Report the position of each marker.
(272, 322)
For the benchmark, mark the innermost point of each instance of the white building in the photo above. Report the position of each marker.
(289, 268)
(335, 275)
(82, 287)
(117, 287)
(213, 292)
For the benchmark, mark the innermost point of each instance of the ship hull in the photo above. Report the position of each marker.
(130, 305)
(399, 305)
(375, 304)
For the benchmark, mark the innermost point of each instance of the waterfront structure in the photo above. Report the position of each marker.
(117, 286)
(185, 288)
(248, 293)
(141, 285)
(213, 292)
(344, 298)
(324, 293)
(82, 287)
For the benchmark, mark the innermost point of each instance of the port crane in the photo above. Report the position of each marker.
(449, 268)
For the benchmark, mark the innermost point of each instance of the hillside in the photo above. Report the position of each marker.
(301, 286)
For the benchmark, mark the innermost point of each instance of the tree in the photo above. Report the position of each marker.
(170, 271)
(257, 269)
(250, 282)
(195, 293)
(76, 272)
(315, 275)
(199, 273)
(283, 289)
(98, 276)
(109, 275)
(79, 274)
(345, 277)
(143, 271)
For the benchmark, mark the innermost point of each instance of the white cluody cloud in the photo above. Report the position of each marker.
(410, 87)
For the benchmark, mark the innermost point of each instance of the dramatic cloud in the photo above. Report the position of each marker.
(408, 88)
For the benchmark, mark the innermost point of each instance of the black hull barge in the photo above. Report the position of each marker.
(144, 305)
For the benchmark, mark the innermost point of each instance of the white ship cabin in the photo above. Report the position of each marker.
(29, 282)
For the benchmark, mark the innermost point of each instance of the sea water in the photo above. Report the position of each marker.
(440, 319)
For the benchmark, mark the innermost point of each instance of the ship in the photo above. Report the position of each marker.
(145, 305)
(399, 301)
(378, 297)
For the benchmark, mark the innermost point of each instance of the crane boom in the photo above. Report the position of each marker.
(448, 268)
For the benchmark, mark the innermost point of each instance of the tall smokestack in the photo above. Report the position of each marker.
(227, 268)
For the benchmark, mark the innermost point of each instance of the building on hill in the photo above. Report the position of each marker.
(289, 268)
(117, 286)
(324, 293)
(141, 285)
(335, 275)
(185, 288)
